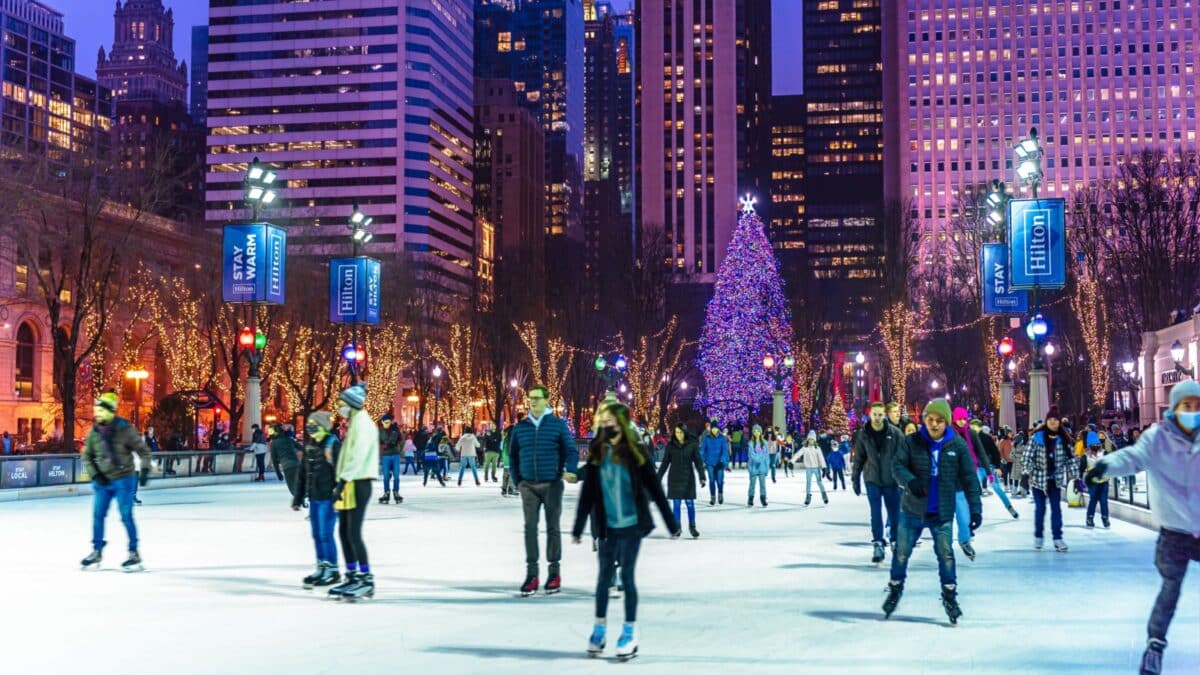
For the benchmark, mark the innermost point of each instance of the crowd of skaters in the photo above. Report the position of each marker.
(931, 473)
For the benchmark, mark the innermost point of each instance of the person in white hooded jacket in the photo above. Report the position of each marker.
(357, 466)
(468, 455)
(814, 464)
(1169, 453)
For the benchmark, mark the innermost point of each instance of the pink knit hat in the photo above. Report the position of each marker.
(961, 415)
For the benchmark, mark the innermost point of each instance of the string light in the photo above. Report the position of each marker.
(1088, 305)
(648, 367)
(900, 327)
(551, 372)
(459, 364)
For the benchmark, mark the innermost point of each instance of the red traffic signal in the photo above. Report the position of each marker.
(1005, 347)
(246, 339)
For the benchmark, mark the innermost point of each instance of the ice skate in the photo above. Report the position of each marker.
(1091, 522)
(1060, 546)
(720, 497)
(895, 589)
(350, 582)
(825, 498)
(694, 531)
(1152, 657)
(93, 560)
(627, 645)
(877, 556)
(385, 498)
(968, 550)
(1038, 542)
(1105, 522)
(329, 575)
(596, 642)
(311, 580)
(397, 499)
(1013, 512)
(712, 501)
(763, 499)
(530, 586)
(365, 588)
(950, 603)
(133, 564)
(807, 500)
(553, 584)
(750, 501)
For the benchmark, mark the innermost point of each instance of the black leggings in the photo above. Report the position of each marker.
(350, 524)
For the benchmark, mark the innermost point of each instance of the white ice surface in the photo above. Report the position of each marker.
(785, 589)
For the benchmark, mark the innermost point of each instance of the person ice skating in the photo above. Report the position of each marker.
(507, 488)
(895, 415)
(283, 457)
(995, 459)
(618, 485)
(825, 443)
(932, 465)
(786, 451)
(491, 452)
(1097, 491)
(1049, 462)
(680, 457)
(837, 464)
(979, 460)
(543, 455)
(258, 445)
(432, 464)
(715, 451)
(758, 454)
(1169, 453)
(737, 446)
(358, 465)
(468, 455)
(445, 455)
(874, 448)
(774, 439)
(410, 456)
(315, 482)
(389, 454)
(108, 457)
(814, 467)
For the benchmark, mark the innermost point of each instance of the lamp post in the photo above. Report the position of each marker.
(860, 380)
(610, 373)
(1029, 161)
(359, 236)
(1028, 153)
(260, 191)
(512, 397)
(437, 392)
(137, 374)
(1039, 377)
(1008, 407)
(778, 372)
(1177, 353)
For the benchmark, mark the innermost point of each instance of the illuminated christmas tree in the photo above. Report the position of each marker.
(746, 320)
(836, 421)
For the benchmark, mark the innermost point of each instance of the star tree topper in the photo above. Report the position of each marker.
(747, 204)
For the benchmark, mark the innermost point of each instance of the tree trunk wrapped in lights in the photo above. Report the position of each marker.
(460, 371)
(900, 325)
(1091, 311)
(388, 354)
(649, 362)
(551, 371)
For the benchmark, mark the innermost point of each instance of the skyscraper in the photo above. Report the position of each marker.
(688, 138)
(142, 65)
(608, 219)
(843, 145)
(754, 98)
(352, 103)
(47, 108)
(787, 214)
(198, 103)
(1097, 79)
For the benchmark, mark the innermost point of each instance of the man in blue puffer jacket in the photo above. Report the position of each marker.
(542, 454)
(714, 450)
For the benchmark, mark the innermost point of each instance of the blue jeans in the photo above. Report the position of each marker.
(468, 461)
(909, 531)
(322, 518)
(102, 497)
(691, 508)
(809, 475)
(762, 485)
(1052, 494)
(997, 486)
(716, 480)
(879, 497)
(1097, 495)
(409, 460)
(391, 466)
(774, 460)
(962, 517)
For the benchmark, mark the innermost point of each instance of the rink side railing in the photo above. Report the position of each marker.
(28, 471)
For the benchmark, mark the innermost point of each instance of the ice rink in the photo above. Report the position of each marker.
(783, 589)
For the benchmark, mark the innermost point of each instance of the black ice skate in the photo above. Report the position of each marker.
(894, 591)
(968, 550)
(553, 584)
(763, 499)
(950, 603)
(351, 581)
(329, 575)
(1013, 512)
(1152, 657)
(364, 588)
(133, 564)
(877, 555)
(694, 531)
(311, 580)
(385, 498)
(720, 497)
(93, 560)
(530, 586)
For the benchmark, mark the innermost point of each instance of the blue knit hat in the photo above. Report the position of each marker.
(355, 396)
(1185, 389)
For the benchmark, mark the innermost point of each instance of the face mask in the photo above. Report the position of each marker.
(1191, 420)
(610, 433)
(344, 411)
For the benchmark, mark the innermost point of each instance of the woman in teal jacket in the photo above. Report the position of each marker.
(759, 464)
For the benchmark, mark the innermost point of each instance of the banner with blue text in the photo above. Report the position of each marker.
(1038, 243)
(253, 263)
(998, 296)
(354, 290)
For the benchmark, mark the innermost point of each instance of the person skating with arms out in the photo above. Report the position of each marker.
(714, 450)
(108, 453)
(680, 457)
(315, 481)
(932, 465)
(358, 465)
(618, 485)
(1169, 453)
(542, 454)
(1049, 461)
(874, 448)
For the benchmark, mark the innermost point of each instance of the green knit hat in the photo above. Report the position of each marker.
(939, 407)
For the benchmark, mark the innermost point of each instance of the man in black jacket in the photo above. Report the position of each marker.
(491, 452)
(932, 465)
(390, 440)
(874, 447)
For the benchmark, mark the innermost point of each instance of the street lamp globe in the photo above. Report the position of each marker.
(789, 361)
(1050, 350)
(437, 371)
(1127, 366)
(859, 358)
(1039, 327)
(1012, 366)
(621, 363)
(683, 385)
(600, 363)
(768, 362)
(513, 383)
(1177, 351)
(623, 388)
(934, 385)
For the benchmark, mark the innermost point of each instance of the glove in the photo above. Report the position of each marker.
(719, 465)
(702, 485)
(915, 487)
(100, 478)
(144, 477)
(976, 521)
(990, 479)
(857, 489)
(1096, 473)
(337, 490)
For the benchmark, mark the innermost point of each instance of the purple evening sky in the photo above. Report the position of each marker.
(89, 22)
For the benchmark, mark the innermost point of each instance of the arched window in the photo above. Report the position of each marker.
(25, 361)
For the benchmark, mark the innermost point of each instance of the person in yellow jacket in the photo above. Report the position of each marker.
(357, 466)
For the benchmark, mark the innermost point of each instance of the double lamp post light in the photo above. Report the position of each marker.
(779, 372)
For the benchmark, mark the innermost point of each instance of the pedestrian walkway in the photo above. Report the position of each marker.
(782, 589)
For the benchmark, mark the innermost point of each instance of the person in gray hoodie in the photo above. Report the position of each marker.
(1169, 453)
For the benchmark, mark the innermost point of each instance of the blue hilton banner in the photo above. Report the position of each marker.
(253, 263)
(354, 290)
(1038, 243)
(998, 297)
